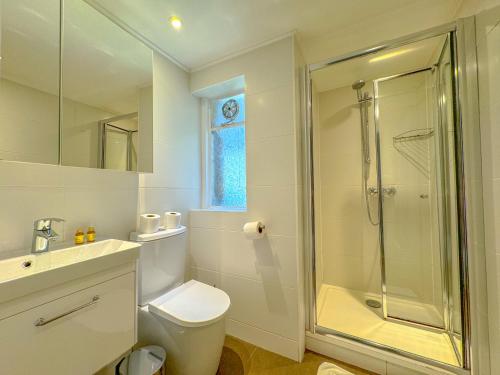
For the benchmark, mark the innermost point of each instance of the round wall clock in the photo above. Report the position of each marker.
(230, 109)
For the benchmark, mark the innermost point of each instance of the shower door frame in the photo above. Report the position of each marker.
(445, 251)
(380, 200)
(466, 107)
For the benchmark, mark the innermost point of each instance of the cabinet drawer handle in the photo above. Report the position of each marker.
(41, 321)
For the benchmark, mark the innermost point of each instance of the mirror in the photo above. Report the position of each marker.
(103, 75)
(107, 93)
(29, 80)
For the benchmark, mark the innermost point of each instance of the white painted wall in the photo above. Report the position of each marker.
(261, 277)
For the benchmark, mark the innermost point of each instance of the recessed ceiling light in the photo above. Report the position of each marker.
(176, 22)
(390, 55)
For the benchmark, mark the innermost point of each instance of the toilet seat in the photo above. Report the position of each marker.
(192, 304)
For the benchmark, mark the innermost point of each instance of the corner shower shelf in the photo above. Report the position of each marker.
(413, 135)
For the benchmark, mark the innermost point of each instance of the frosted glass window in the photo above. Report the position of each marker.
(228, 155)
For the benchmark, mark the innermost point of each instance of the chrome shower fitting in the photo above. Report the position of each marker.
(387, 191)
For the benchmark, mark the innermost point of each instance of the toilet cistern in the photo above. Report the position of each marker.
(43, 234)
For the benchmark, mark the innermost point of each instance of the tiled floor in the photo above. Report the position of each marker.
(242, 358)
(345, 310)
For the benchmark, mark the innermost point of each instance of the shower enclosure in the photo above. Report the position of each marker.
(384, 173)
(118, 142)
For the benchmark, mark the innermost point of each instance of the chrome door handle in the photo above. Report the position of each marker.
(41, 321)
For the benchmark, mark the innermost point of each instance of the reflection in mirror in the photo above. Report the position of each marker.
(29, 80)
(107, 91)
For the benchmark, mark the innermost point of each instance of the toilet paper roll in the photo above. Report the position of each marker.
(149, 223)
(172, 220)
(254, 230)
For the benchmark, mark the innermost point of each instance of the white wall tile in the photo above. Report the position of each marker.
(260, 276)
(268, 260)
(268, 113)
(175, 182)
(276, 207)
(21, 206)
(205, 248)
(269, 306)
(110, 199)
(271, 162)
(158, 200)
(264, 69)
(206, 276)
(111, 211)
(264, 339)
(206, 219)
(30, 174)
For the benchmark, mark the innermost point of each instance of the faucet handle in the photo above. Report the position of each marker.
(46, 223)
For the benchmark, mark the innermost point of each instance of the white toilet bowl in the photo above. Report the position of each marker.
(189, 323)
(186, 319)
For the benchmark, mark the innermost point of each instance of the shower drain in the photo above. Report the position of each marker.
(373, 303)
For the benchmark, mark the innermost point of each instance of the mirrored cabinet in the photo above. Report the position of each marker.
(75, 88)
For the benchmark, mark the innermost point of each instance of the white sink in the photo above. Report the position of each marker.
(27, 274)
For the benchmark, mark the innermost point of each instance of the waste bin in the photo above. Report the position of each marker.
(148, 360)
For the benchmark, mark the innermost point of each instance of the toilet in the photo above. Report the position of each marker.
(185, 318)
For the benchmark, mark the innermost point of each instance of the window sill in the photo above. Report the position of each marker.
(219, 209)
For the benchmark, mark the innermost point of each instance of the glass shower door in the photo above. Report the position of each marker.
(412, 259)
(415, 140)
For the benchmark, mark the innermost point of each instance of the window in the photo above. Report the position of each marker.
(227, 162)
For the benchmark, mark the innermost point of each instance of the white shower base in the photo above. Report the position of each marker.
(345, 311)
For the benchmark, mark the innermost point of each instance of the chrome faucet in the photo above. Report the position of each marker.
(43, 234)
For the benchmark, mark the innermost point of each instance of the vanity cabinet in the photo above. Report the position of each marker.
(71, 333)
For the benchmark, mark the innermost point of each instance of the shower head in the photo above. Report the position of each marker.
(358, 85)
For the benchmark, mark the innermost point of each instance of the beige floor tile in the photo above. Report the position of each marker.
(264, 360)
(242, 358)
(236, 355)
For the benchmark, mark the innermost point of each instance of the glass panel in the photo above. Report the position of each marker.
(233, 112)
(116, 149)
(115, 80)
(409, 162)
(29, 80)
(228, 165)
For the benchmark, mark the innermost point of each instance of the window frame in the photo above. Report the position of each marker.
(206, 145)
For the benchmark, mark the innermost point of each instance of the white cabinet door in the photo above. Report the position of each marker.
(79, 334)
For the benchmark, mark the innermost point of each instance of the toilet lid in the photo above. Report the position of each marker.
(193, 304)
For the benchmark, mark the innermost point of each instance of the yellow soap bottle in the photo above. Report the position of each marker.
(79, 237)
(91, 233)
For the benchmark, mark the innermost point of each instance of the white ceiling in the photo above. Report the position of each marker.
(215, 29)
